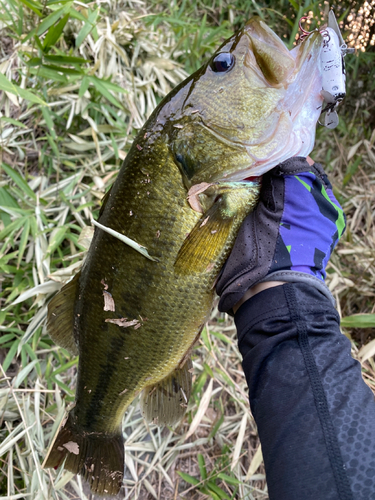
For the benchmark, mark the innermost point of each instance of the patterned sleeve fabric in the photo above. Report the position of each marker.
(310, 227)
(289, 236)
(315, 415)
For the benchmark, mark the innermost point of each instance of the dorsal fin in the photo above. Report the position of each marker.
(60, 317)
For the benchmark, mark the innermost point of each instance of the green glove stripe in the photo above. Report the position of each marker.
(304, 183)
(340, 222)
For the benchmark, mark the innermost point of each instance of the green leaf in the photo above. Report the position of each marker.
(228, 479)
(62, 69)
(55, 32)
(218, 491)
(23, 241)
(13, 88)
(53, 145)
(49, 121)
(102, 88)
(18, 180)
(7, 199)
(87, 27)
(24, 373)
(66, 59)
(34, 6)
(189, 479)
(38, 42)
(52, 18)
(112, 86)
(351, 170)
(57, 237)
(33, 62)
(6, 337)
(29, 95)
(294, 4)
(13, 226)
(11, 353)
(74, 14)
(202, 466)
(7, 85)
(359, 321)
(84, 86)
(49, 74)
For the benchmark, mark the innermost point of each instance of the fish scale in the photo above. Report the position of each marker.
(182, 194)
(131, 285)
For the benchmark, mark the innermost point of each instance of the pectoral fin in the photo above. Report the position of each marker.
(60, 317)
(165, 403)
(203, 246)
(210, 241)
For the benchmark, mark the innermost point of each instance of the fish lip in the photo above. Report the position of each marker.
(248, 179)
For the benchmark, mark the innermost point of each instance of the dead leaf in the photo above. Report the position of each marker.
(193, 193)
(123, 322)
(205, 222)
(109, 303)
(72, 447)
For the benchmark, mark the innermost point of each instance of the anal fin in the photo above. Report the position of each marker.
(60, 317)
(165, 403)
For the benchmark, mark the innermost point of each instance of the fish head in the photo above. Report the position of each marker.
(252, 106)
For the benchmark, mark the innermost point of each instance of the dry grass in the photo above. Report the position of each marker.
(214, 452)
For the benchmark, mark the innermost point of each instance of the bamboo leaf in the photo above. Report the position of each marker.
(205, 401)
(55, 32)
(24, 373)
(23, 241)
(217, 490)
(48, 118)
(103, 89)
(47, 287)
(189, 479)
(228, 479)
(19, 181)
(11, 354)
(87, 27)
(66, 59)
(34, 6)
(202, 466)
(52, 18)
(367, 351)
(359, 321)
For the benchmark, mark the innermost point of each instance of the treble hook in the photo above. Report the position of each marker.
(304, 32)
(323, 31)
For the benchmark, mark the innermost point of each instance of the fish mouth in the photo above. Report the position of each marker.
(291, 131)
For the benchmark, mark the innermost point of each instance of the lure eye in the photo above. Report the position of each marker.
(222, 62)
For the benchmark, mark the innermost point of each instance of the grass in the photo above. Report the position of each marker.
(78, 80)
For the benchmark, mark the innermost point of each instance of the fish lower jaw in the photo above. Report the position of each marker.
(300, 144)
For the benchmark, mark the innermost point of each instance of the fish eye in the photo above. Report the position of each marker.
(222, 62)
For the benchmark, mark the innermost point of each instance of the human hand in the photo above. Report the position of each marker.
(288, 238)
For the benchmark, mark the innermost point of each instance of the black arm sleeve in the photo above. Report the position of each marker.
(315, 414)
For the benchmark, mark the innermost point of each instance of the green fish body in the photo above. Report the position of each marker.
(182, 194)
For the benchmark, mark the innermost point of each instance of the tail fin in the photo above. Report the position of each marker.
(98, 457)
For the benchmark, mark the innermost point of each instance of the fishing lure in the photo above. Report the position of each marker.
(333, 53)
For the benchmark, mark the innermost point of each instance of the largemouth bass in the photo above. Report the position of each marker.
(181, 196)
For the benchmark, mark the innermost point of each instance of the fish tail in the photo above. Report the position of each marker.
(98, 457)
